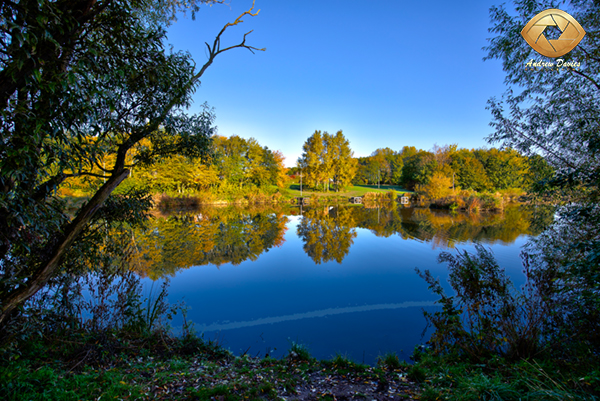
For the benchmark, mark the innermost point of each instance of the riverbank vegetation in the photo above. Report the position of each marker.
(103, 338)
(540, 341)
(238, 170)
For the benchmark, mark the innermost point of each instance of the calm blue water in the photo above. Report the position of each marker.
(369, 304)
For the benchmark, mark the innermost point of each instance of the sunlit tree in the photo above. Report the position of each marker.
(69, 71)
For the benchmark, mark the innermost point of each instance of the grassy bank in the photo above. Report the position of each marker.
(273, 195)
(118, 366)
(454, 378)
(351, 191)
(466, 200)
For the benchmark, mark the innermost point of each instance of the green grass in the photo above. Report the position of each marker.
(451, 378)
(299, 352)
(354, 190)
(389, 361)
(51, 369)
(51, 382)
(134, 374)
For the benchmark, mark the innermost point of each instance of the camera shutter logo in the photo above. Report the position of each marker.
(571, 35)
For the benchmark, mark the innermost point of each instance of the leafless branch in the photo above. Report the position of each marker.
(589, 55)
(215, 49)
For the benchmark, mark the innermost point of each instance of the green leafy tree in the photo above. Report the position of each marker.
(540, 174)
(230, 158)
(244, 162)
(439, 186)
(70, 71)
(383, 166)
(327, 158)
(469, 171)
(505, 169)
(311, 161)
(555, 113)
(397, 163)
(367, 171)
(408, 151)
(418, 169)
(344, 164)
(383, 159)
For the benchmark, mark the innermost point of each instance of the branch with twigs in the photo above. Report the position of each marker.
(215, 49)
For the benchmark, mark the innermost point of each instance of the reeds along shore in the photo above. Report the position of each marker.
(466, 200)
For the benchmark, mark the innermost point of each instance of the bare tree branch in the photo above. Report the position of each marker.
(215, 49)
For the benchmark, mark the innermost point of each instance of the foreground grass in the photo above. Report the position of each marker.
(103, 367)
(446, 378)
(164, 368)
(157, 366)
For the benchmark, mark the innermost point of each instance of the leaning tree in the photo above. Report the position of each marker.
(80, 80)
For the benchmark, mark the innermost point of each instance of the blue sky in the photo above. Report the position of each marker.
(388, 73)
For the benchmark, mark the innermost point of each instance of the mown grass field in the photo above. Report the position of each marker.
(354, 190)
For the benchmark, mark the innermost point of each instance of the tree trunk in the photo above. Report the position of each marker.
(41, 276)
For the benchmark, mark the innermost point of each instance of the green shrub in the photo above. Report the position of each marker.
(487, 316)
(298, 352)
(417, 373)
(389, 361)
(490, 201)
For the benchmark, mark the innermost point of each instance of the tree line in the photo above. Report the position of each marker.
(229, 162)
(448, 166)
(328, 163)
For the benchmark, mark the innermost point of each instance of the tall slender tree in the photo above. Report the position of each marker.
(328, 157)
(345, 166)
(311, 160)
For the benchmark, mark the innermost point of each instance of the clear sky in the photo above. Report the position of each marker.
(387, 73)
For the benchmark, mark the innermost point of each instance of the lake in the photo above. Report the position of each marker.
(339, 279)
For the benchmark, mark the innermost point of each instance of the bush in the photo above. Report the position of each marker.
(487, 316)
(491, 201)
(166, 202)
(511, 194)
(298, 352)
(473, 204)
(439, 187)
(389, 361)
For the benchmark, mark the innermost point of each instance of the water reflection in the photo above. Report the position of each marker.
(210, 235)
(206, 236)
(273, 286)
(312, 314)
(444, 229)
(327, 232)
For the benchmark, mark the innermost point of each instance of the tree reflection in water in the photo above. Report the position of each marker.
(206, 236)
(234, 234)
(327, 232)
(445, 229)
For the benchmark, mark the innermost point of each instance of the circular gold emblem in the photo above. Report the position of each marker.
(571, 35)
